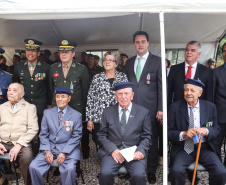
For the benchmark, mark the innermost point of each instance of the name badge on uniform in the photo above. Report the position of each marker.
(148, 78)
(21, 73)
(71, 87)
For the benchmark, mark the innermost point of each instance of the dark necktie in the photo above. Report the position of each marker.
(188, 75)
(189, 143)
(123, 120)
(60, 117)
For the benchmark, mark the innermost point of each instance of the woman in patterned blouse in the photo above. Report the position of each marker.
(100, 95)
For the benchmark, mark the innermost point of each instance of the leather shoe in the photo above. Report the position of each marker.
(5, 170)
(151, 178)
(190, 177)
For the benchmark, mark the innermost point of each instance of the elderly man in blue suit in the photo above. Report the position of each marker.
(189, 118)
(124, 125)
(60, 136)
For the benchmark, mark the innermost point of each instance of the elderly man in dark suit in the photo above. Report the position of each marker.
(189, 118)
(191, 68)
(219, 89)
(144, 70)
(124, 125)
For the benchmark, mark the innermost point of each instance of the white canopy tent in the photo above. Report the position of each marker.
(110, 25)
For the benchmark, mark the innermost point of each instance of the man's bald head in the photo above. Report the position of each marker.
(15, 93)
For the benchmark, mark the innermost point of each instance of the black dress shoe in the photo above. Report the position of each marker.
(5, 170)
(190, 177)
(151, 178)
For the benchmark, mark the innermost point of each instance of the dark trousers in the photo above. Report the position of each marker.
(208, 158)
(85, 139)
(109, 169)
(219, 140)
(152, 164)
(25, 156)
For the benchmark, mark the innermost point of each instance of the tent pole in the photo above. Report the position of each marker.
(164, 98)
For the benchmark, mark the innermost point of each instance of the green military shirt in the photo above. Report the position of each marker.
(77, 81)
(35, 86)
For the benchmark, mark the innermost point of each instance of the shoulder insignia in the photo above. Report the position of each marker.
(59, 65)
(73, 65)
(39, 63)
(25, 63)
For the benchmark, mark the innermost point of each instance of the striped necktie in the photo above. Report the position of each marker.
(189, 143)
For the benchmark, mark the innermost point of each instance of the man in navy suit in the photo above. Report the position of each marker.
(188, 118)
(60, 136)
(144, 70)
(124, 125)
(219, 89)
(179, 72)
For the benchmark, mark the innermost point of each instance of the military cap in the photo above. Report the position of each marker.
(62, 90)
(211, 60)
(32, 44)
(47, 52)
(194, 82)
(96, 57)
(2, 51)
(124, 55)
(23, 55)
(90, 55)
(16, 56)
(122, 85)
(66, 45)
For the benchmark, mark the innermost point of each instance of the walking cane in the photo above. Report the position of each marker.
(196, 161)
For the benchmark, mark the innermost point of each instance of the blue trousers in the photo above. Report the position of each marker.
(39, 167)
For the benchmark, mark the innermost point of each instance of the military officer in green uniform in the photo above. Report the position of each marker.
(33, 74)
(71, 75)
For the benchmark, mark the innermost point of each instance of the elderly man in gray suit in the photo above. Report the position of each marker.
(124, 125)
(60, 136)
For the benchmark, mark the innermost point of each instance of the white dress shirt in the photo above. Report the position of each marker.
(193, 69)
(143, 61)
(127, 112)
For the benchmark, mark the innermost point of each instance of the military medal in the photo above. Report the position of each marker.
(67, 125)
(68, 129)
(36, 77)
(71, 87)
(44, 76)
(148, 78)
(39, 76)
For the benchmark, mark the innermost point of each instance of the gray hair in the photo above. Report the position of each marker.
(193, 42)
(115, 54)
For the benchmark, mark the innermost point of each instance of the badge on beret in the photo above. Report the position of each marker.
(64, 42)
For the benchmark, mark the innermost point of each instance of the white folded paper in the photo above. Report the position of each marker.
(128, 153)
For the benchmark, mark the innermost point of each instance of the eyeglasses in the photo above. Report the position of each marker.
(109, 60)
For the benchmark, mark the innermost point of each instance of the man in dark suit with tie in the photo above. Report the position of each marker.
(219, 89)
(124, 125)
(191, 68)
(189, 118)
(144, 70)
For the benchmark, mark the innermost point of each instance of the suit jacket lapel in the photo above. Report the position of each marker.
(131, 118)
(184, 111)
(25, 69)
(203, 114)
(131, 70)
(55, 117)
(223, 74)
(197, 72)
(116, 118)
(60, 70)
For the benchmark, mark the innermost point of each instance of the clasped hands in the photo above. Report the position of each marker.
(117, 156)
(49, 157)
(193, 131)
